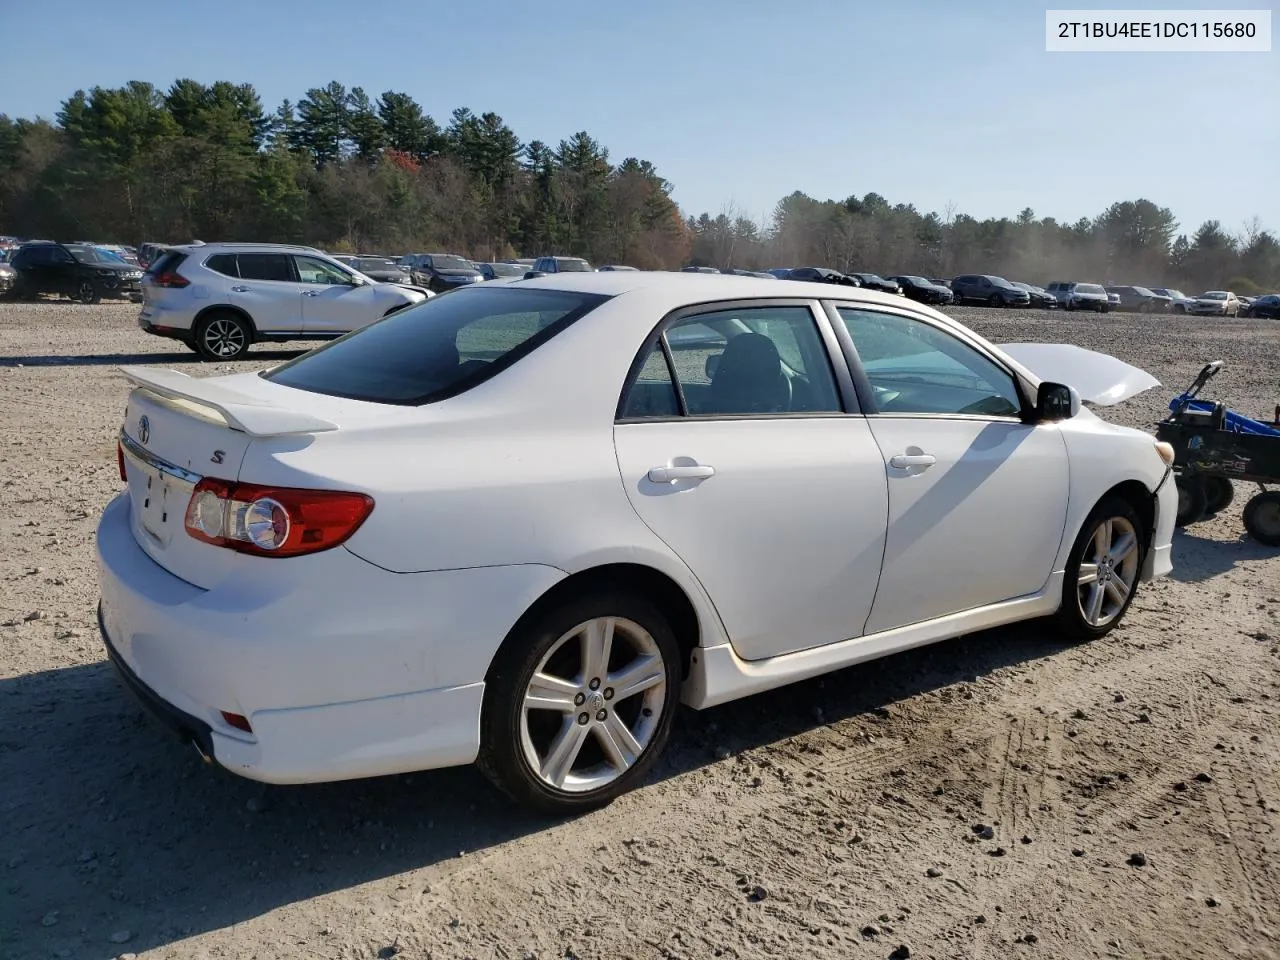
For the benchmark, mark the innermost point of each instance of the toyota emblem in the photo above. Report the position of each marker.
(144, 429)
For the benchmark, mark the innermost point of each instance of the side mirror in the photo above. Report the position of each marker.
(712, 365)
(1056, 401)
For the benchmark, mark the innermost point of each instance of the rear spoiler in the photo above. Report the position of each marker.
(240, 412)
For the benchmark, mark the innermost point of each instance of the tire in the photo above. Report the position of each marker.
(1092, 608)
(87, 292)
(1070, 305)
(1219, 492)
(1262, 518)
(1193, 501)
(515, 743)
(994, 300)
(1179, 308)
(223, 335)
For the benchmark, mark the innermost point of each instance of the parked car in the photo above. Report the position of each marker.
(693, 269)
(494, 271)
(611, 267)
(1073, 295)
(149, 252)
(1219, 303)
(782, 273)
(874, 281)
(365, 586)
(1177, 299)
(79, 271)
(439, 272)
(8, 277)
(1040, 297)
(219, 298)
(546, 265)
(1140, 299)
(1113, 300)
(740, 272)
(925, 291)
(822, 275)
(992, 290)
(1245, 303)
(1264, 308)
(382, 269)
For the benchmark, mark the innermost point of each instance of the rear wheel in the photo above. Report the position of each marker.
(1262, 518)
(580, 701)
(1103, 570)
(1193, 501)
(223, 336)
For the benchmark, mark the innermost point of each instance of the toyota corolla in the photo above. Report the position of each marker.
(520, 524)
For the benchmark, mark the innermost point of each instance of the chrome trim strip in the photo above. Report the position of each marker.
(139, 452)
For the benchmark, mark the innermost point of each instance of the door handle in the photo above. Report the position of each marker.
(311, 293)
(905, 461)
(239, 289)
(671, 474)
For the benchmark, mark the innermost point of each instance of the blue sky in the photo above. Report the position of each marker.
(737, 102)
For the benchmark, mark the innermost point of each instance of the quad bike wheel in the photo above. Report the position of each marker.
(1262, 518)
(1219, 492)
(1193, 501)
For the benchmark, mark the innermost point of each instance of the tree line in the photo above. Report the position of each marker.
(344, 171)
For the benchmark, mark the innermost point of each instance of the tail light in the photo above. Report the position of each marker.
(120, 461)
(273, 521)
(169, 279)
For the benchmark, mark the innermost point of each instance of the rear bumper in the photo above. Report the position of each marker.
(343, 669)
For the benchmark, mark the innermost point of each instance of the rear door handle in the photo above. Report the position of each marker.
(239, 289)
(671, 474)
(904, 461)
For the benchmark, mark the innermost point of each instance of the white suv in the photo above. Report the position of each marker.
(218, 298)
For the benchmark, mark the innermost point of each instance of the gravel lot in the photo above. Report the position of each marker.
(1130, 786)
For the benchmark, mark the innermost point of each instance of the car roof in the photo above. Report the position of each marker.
(247, 247)
(693, 288)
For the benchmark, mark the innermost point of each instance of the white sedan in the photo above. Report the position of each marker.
(518, 525)
(1215, 303)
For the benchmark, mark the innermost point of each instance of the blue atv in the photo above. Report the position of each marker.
(1213, 447)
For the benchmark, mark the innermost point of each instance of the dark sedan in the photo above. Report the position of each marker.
(1141, 300)
(382, 269)
(1264, 308)
(821, 275)
(873, 281)
(989, 289)
(1041, 298)
(925, 291)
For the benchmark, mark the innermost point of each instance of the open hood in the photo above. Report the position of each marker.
(1100, 379)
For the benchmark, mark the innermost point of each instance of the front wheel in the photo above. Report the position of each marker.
(223, 336)
(87, 292)
(1103, 570)
(1262, 518)
(579, 702)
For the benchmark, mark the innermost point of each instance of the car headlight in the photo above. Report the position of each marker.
(1166, 452)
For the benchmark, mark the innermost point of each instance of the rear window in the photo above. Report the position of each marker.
(169, 261)
(439, 348)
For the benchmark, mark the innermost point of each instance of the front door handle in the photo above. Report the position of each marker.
(698, 471)
(311, 293)
(904, 461)
(239, 289)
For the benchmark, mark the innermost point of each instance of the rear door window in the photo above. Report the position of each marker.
(267, 266)
(224, 263)
(439, 348)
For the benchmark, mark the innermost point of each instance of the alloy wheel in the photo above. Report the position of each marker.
(593, 704)
(1108, 571)
(224, 338)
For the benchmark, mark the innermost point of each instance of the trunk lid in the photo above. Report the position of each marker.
(178, 430)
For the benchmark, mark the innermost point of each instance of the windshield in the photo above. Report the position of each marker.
(450, 263)
(573, 266)
(999, 282)
(91, 255)
(365, 264)
(1091, 288)
(110, 255)
(1214, 295)
(1145, 292)
(507, 270)
(438, 348)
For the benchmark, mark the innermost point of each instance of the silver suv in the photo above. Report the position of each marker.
(218, 298)
(561, 265)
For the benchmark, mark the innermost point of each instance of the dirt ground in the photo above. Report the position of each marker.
(1131, 786)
